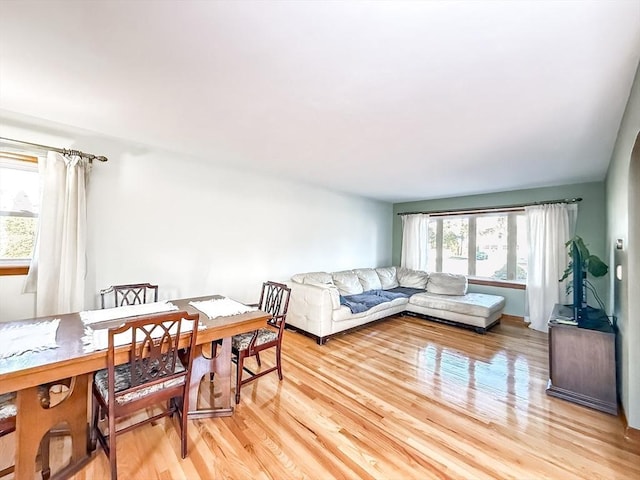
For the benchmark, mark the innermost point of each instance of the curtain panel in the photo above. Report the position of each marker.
(58, 266)
(415, 241)
(549, 227)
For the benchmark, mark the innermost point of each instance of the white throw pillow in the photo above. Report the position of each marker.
(447, 284)
(368, 278)
(322, 278)
(412, 278)
(387, 276)
(347, 282)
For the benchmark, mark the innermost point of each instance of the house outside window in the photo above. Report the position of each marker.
(19, 209)
(486, 245)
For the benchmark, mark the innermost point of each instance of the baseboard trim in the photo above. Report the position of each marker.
(630, 433)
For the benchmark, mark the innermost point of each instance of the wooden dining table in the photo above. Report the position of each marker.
(70, 358)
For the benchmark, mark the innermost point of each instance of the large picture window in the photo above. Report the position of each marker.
(488, 245)
(19, 208)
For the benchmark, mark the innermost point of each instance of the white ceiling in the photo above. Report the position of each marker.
(391, 100)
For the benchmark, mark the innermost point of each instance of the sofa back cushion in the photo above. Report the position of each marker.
(447, 284)
(347, 282)
(412, 278)
(320, 278)
(387, 276)
(368, 278)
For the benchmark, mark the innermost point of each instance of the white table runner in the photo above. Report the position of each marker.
(96, 316)
(221, 307)
(32, 337)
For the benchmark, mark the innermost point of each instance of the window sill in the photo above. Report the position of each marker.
(14, 270)
(492, 282)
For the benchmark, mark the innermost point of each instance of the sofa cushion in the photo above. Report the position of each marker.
(318, 278)
(412, 278)
(387, 277)
(447, 284)
(347, 282)
(368, 278)
(477, 304)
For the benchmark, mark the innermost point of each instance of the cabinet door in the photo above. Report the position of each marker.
(583, 362)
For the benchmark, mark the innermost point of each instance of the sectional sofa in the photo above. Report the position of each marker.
(324, 304)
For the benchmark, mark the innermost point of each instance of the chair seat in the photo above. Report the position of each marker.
(8, 406)
(123, 382)
(265, 335)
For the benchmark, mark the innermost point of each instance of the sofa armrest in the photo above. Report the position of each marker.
(311, 307)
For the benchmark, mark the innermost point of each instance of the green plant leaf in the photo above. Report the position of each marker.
(591, 263)
(584, 251)
(595, 266)
(567, 271)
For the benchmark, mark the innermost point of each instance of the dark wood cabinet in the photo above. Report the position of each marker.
(582, 361)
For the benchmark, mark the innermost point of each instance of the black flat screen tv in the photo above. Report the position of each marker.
(579, 305)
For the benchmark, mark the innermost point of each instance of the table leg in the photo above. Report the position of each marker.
(220, 365)
(33, 421)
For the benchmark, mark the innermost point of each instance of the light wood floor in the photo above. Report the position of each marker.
(402, 399)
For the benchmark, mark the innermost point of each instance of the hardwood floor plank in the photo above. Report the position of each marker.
(404, 398)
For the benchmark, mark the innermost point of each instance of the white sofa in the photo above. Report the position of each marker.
(315, 306)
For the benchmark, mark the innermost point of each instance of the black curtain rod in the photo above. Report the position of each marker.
(503, 207)
(64, 151)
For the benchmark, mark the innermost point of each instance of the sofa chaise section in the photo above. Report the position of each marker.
(477, 310)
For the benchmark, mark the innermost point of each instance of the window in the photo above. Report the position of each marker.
(489, 245)
(19, 208)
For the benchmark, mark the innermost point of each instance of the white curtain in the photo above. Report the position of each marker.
(415, 241)
(550, 226)
(57, 270)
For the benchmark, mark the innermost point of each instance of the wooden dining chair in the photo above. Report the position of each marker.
(153, 373)
(132, 294)
(274, 299)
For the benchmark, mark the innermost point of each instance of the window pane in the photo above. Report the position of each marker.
(17, 235)
(491, 254)
(522, 255)
(500, 245)
(19, 207)
(455, 245)
(19, 187)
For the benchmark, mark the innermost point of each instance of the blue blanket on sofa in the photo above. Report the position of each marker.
(361, 302)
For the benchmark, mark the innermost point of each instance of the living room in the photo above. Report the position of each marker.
(187, 208)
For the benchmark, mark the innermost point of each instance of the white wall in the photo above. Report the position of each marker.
(622, 223)
(195, 227)
(13, 303)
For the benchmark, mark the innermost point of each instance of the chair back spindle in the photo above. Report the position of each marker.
(131, 294)
(155, 351)
(274, 299)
